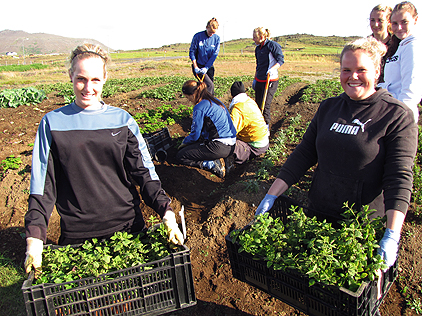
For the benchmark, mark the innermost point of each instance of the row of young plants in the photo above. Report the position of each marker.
(169, 88)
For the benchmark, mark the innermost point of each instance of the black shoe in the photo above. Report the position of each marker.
(219, 170)
(229, 164)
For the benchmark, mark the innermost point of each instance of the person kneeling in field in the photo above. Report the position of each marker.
(213, 136)
(252, 137)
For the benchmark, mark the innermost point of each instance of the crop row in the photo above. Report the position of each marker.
(164, 88)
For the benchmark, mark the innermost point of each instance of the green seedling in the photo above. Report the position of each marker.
(11, 162)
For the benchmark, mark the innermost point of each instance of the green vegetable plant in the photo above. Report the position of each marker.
(251, 185)
(321, 90)
(97, 257)
(11, 162)
(12, 98)
(415, 304)
(345, 256)
(279, 148)
(156, 119)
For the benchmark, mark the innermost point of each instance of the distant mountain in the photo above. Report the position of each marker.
(39, 43)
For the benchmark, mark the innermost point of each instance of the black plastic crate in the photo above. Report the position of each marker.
(292, 287)
(152, 288)
(158, 142)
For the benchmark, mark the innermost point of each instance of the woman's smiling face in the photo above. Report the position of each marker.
(403, 23)
(88, 78)
(379, 22)
(358, 75)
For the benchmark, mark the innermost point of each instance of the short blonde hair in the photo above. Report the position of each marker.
(88, 50)
(262, 32)
(371, 46)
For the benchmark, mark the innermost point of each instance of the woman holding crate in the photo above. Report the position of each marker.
(85, 156)
(364, 143)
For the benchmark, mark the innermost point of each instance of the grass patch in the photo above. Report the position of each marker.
(22, 67)
(11, 279)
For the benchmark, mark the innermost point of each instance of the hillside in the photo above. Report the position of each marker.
(288, 42)
(38, 43)
(42, 43)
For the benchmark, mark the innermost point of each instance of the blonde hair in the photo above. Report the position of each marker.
(388, 10)
(383, 8)
(88, 50)
(262, 32)
(407, 6)
(371, 46)
(213, 24)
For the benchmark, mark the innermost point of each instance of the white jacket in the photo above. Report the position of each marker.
(403, 74)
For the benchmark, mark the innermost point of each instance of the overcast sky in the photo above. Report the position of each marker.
(138, 24)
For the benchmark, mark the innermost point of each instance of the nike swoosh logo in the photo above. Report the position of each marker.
(115, 134)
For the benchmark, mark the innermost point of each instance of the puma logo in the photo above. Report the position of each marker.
(362, 125)
(115, 134)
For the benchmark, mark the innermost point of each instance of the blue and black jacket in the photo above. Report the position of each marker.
(83, 163)
(267, 55)
(204, 49)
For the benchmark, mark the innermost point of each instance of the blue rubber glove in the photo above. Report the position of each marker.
(204, 70)
(389, 246)
(209, 164)
(197, 70)
(254, 84)
(266, 204)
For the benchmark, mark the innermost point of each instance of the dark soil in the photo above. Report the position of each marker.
(213, 207)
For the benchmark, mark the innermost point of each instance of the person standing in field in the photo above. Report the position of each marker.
(269, 57)
(213, 135)
(363, 142)
(252, 137)
(379, 21)
(203, 51)
(403, 70)
(86, 160)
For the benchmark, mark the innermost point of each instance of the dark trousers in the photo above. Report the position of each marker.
(194, 155)
(208, 78)
(244, 152)
(259, 96)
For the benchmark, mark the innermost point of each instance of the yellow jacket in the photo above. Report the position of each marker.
(248, 120)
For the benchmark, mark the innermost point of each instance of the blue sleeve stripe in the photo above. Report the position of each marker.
(40, 155)
(146, 157)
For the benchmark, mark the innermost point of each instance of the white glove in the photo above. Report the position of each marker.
(203, 70)
(33, 260)
(174, 234)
